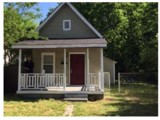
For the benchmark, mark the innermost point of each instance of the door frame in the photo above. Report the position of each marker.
(42, 59)
(70, 53)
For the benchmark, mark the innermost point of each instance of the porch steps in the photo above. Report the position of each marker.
(76, 97)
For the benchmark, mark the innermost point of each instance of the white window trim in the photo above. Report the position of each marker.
(70, 53)
(64, 25)
(42, 60)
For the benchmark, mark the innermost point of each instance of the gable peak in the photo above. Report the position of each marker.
(75, 11)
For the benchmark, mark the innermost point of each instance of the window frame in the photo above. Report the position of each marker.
(66, 29)
(42, 60)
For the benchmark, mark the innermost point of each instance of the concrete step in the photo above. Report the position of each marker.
(76, 97)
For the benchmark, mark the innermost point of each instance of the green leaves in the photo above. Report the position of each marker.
(19, 23)
(129, 29)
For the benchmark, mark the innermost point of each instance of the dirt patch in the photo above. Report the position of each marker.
(132, 99)
(110, 99)
(68, 110)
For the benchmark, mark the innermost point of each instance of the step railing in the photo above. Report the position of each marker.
(41, 80)
(94, 79)
(94, 82)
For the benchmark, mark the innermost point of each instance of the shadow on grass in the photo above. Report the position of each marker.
(136, 99)
(17, 98)
(133, 109)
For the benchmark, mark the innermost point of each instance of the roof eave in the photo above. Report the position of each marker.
(48, 18)
(84, 20)
(57, 46)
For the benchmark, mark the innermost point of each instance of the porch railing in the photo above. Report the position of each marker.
(94, 81)
(56, 80)
(39, 80)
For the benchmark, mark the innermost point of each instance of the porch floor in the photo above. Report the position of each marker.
(60, 93)
(68, 89)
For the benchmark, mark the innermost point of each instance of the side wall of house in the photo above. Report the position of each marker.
(94, 57)
(53, 29)
(108, 67)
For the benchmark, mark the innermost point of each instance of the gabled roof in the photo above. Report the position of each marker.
(110, 59)
(76, 12)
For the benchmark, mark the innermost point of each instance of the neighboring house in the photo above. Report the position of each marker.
(109, 66)
(69, 62)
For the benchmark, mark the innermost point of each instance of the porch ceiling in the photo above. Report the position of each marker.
(60, 43)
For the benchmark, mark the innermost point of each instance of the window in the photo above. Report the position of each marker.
(66, 24)
(48, 60)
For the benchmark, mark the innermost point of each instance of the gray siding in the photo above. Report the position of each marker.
(54, 27)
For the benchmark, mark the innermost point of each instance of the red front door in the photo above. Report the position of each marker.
(77, 69)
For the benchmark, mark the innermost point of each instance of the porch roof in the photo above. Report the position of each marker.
(60, 43)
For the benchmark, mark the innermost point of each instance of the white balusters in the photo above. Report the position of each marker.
(38, 80)
(95, 81)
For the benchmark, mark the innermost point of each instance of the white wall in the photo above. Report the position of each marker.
(109, 66)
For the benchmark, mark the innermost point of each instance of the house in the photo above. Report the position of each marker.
(69, 63)
(109, 66)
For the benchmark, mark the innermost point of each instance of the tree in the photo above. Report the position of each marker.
(19, 24)
(130, 30)
(149, 53)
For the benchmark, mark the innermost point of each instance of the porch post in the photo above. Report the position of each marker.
(64, 82)
(87, 68)
(102, 74)
(19, 69)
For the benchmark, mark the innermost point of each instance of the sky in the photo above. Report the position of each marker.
(44, 6)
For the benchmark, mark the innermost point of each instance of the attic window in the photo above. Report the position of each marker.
(66, 24)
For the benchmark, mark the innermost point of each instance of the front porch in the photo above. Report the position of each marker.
(71, 93)
(60, 64)
(40, 82)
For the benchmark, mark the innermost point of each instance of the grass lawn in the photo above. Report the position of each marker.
(136, 99)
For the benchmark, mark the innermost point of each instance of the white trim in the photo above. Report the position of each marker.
(19, 68)
(76, 52)
(64, 70)
(102, 75)
(114, 72)
(87, 60)
(57, 46)
(70, 64)
(66, 29)
(42, 59)
(77, 12)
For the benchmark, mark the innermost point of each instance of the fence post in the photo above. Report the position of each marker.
(99, 80)
(119, 86)
(109, 81)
